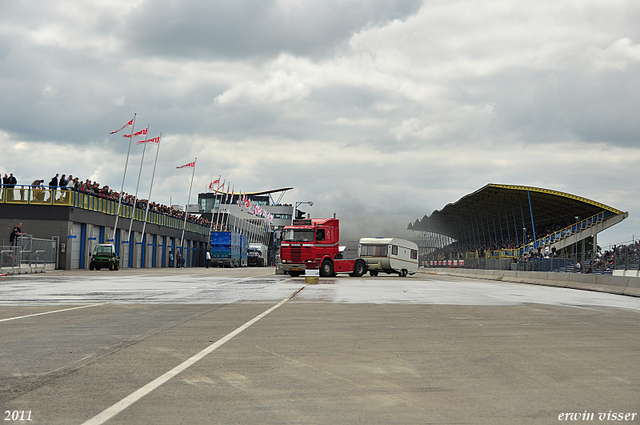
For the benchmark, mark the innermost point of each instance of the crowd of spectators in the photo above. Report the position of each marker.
(620, 256)
(61, 184)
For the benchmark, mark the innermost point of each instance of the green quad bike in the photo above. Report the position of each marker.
(104, 255)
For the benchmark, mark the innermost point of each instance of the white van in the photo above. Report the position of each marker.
(389, 255)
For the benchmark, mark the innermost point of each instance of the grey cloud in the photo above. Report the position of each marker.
(249, 28)
(564, 105)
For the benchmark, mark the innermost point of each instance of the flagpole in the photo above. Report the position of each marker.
(223, 198)
(146, 213)
(115, 226)
(135, 197)
(230, 202)
(184, 225)
(219, 207)
(213, 209)
(226, 220)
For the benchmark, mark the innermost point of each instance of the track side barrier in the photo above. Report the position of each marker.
(621, 285)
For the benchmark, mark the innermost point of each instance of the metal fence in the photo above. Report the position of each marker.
(623, 257)
(582, 262)
(626, 256)
(29, 251)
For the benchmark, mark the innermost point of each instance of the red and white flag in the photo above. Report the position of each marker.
(126, 125)
(191, 164)
(142, 132)
(154, 140)
(213, 184)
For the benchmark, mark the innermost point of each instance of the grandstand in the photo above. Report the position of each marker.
(76, 221)
(513, 222)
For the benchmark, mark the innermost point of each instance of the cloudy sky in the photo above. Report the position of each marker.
(378, 111)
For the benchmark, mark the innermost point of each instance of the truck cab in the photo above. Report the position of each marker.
(314, 244)
(257, 255)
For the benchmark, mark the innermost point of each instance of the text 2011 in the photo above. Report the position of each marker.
(17, 415)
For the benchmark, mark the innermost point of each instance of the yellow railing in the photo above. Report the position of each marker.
(39, 195)
(505, 253)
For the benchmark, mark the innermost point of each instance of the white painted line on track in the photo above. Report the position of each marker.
(50, 312)
(112, 411)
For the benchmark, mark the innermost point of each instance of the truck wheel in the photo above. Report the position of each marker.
(373, 273)
(326, 270)
(358, 269)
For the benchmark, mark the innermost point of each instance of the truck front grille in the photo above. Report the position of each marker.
(296, 255)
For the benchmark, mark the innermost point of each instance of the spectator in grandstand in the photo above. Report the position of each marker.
(53, 183)
(37, 190)
(10, 184)
(3, 186)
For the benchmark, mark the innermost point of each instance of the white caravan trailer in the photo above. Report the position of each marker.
(389, 255)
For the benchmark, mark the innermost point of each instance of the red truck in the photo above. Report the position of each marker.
(314, 244)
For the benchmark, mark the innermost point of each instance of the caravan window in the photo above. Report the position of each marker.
(373, 250)
(414, 254)
(394, 250)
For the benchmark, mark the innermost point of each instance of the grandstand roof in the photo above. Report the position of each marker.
(497, 205)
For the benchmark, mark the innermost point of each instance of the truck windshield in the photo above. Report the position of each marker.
(298, 235)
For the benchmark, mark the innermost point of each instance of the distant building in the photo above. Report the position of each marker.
(227, 212)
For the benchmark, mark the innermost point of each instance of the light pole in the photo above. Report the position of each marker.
(577, 218)
(295, 209)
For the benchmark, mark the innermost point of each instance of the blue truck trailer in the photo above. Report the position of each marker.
(228, 249)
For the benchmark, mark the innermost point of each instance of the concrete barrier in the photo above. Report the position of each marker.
(621, 285)
(23, 270)
(633, 288)
(580, 281)
(611, 284)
